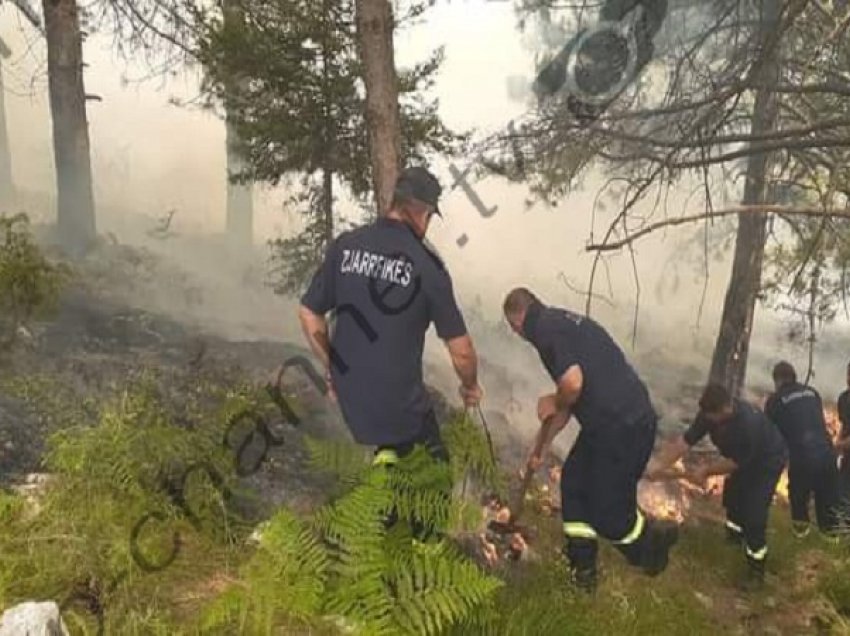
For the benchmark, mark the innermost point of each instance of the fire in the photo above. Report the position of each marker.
(655, 499)
(833, 424)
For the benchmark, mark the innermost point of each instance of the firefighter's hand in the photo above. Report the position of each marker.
(471, 396)
(546, 407)
(534, 460)
(698, 476)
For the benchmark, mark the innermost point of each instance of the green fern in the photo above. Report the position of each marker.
(348, 568)
(469, 453)
(286, 578)
(344, 461)
(383, 580)
(437, 588)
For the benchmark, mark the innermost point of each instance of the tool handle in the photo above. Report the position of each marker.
(545, 429)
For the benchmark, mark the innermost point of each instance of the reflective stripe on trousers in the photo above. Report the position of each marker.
(385, 457)
(579, 530)
(734, 527)
(757, 555)
(635, 533)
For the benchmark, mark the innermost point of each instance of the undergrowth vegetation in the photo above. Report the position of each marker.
(141, 529)
(29, 282)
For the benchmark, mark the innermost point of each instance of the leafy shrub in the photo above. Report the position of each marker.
(29, 283)
(121, 512)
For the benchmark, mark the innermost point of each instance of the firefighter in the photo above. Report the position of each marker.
(385, 287)
(594, 381)
(754, 456)
(843, 444)
(797, 410)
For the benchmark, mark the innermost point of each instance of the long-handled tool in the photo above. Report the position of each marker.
(487, 433)
(517, 505)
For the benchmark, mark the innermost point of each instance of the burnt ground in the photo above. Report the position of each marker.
(93, 346)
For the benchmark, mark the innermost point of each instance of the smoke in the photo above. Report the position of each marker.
(150, 157)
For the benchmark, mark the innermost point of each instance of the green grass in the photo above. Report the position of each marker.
(81, 539)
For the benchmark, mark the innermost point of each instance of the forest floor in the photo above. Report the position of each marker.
(95, 345)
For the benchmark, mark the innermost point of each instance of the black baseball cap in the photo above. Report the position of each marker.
(417, 182)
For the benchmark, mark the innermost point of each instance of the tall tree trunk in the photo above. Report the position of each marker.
(328, 204)
(240, 197)
(7, 185)
(729, 363)
(375, 40)
(75, 201)
(329, 133)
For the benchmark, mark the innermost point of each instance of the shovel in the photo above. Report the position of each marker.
(517, 505)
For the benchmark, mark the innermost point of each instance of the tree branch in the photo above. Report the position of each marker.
(702, 216)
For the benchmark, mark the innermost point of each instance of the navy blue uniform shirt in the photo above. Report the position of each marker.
(385, 288)
(749, 439)
(797, 410)
(844, 418)
(612, 394)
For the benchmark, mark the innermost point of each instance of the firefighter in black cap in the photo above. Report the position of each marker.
(594, 381)
(797, 410)
(754, 456)
(386, 287)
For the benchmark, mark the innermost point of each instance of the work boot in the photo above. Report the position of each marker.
(651, 550)
(660, 537)
(585, 580)
(581, 556)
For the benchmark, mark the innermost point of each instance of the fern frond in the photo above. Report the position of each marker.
(344, 461)
(469, 451)
(443, 588)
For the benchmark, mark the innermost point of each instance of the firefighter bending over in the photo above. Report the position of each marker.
(754, 456)
(594, 382)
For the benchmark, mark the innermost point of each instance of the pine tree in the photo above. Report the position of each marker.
(300, 112)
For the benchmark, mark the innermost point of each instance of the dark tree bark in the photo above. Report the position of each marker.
(375, 40)
(240, 200)
(7, 185)
(75, 201)
(328, 145)
(729, 362)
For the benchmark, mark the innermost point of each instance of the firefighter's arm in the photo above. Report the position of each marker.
(465, 362)
(569, 389)
(566, 394)
(721, 466)
(549, 430)
(315, 329)
(554, 412)
(671, 452)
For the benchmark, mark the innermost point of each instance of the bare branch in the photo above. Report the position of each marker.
(702, 216)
